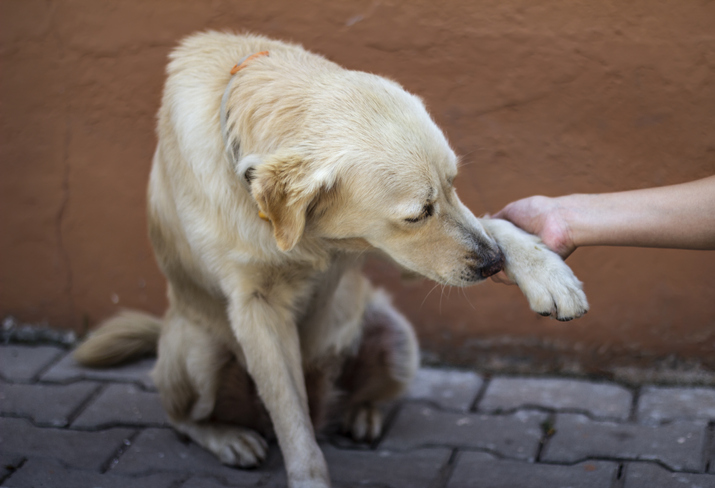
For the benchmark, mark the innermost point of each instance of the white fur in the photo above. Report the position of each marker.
(342, 159)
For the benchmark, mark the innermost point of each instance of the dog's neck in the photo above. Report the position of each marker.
(241, 165)
(224, 102)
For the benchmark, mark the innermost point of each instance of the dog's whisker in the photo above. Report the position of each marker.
(428, 294)
(468, 300)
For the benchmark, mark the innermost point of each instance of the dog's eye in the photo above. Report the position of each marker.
(427, 211)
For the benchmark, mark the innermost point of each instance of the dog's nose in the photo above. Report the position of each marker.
(493, 266)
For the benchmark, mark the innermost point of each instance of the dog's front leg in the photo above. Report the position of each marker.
(548, 283)
(264, 326)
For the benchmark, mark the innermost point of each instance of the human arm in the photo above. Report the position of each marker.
(677, 216)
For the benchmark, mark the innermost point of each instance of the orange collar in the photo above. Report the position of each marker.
(239, 66)
(223, 116)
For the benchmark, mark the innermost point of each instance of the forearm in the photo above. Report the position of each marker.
(678, 216)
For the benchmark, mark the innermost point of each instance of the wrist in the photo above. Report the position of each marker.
(580, 211)
(555, 227)
(568, 210)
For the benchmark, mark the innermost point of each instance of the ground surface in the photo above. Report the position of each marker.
(65, 426)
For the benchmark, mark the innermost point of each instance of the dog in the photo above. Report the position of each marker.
(275, 172)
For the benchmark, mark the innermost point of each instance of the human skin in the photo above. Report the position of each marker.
(678, 216)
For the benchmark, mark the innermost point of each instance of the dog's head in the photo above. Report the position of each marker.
(370, 166)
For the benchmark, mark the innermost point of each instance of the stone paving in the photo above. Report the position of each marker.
(65, 426)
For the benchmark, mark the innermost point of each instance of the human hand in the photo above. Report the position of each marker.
(543, 217)
(677, 216)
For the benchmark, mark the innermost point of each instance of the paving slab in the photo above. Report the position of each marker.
(419, 468)
(47, 473)
(657, 404)
(516, 435)
(80, 450)
(123, 404)
(51, 405)
(679, 445)
(23, 363)
(162, 450)
(598, 399)
(208, 482)
(649, 475)
(68, 370)
(449, 389)
(481, 470)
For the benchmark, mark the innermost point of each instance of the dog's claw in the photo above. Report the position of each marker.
(559, 295)
(364, 423)
(243, 448)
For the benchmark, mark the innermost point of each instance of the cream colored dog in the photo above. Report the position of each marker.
(259, 211)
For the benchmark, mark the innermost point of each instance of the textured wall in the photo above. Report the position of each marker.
(546, 97)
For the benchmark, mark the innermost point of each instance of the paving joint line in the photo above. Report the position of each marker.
(437, 406)
(85, 403)
(36, 377)
(635, 399)
(104, 381)
(461, 448)
(487, 379)
(550, 410)
(596, 379)
(120, 425)
(28, 418)
(12, 470)
(445, 472)
(528, 408)
(100, 428)
(117, 453)
(624, 459)
(547, 432)
(619, 477)
(709, 448)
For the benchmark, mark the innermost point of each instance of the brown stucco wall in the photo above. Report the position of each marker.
(547, 97)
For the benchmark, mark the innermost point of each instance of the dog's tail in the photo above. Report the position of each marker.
(123, 337)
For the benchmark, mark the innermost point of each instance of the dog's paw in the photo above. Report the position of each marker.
(240, 447)
(364, 423)
(551, 287)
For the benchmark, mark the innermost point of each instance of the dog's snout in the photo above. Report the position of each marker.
(493, 265)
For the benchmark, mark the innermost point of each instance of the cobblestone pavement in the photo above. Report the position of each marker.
(65, 426)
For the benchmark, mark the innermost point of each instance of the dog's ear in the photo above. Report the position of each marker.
(285, 185)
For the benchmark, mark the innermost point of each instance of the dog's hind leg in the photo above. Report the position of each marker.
(189, 371)
(383, 367)
(233, 445)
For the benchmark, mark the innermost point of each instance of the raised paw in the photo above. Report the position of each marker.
(363, 423)
(552, 289)
(240, 447)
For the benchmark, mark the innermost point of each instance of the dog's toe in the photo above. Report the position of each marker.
(364, 424)
(242, 447)
(555, 292)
